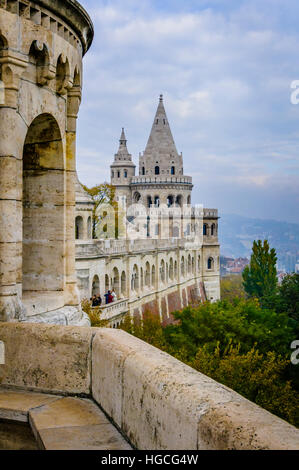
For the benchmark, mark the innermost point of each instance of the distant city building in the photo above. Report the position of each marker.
(232, 266)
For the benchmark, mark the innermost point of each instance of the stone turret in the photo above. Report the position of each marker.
(122, 171)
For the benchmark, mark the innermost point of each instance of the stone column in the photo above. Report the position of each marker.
(13, 132)
(72, 296)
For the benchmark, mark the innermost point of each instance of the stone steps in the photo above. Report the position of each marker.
(61, 423)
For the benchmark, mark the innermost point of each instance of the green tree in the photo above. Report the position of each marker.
(260, 277)
(258, 377)
(101, 194)
(232, 287)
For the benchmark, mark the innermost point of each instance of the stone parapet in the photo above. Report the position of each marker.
(155, 400)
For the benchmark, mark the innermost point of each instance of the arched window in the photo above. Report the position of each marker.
(162, 271)
(183, 266)
(213, 230)
(136, 197)
(149, 201)
(178, 201)
(189, 200)
(115, 283)
(123, 284)
(170, 201)
(79, 227)
(205, 229)
(157, 170)
(172, 171)
(118, 174)
(126, 174)
(198, 261)
(95, 289)
(157, 201)
(147, 275)
(107, 284)
(175, 269)
(210, 263)
(171, 269)
(153, 275)
(143, 171)
(189, 264)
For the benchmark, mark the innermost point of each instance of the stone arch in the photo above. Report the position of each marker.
(170, 200)
(162, 270)
(107, 283)
(43, 207)
(39, 63)
(189, 264)
(179, 200)
(171, 269)
(136, 197)
(123, 284)
(189, 199)
(77, 78)
(79, 227)
(115, 281)
(153, 275)
(95, 289)
(183, 266)
(210, 263)
(62, 75)
(135, 278)
(147, 274)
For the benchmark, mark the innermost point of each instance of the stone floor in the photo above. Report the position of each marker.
(57, 423)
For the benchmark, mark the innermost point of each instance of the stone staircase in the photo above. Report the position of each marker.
(30, 420)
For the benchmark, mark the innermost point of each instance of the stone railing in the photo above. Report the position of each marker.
(94, 248)
(161, 179)
(115, 308)
(155, 400)
(210, 213)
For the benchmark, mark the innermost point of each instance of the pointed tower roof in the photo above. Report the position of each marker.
(122, 153)
(161, 141)
(122, 157)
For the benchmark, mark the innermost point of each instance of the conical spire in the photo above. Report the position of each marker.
(123, 153)
(160, 141)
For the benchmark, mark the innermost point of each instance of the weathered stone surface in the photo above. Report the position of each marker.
(47, 358)
(72, 423)
(160, 403)
(41, 48)
(15, 405)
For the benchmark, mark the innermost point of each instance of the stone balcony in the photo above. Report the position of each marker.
(114, 309)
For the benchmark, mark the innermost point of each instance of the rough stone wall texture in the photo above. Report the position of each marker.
(47, 358)
(160, 403)
(41, 49)
(157, 401)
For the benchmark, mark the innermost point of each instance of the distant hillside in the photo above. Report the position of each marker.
(237, 233)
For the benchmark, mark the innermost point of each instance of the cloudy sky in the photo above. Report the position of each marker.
(225, 68)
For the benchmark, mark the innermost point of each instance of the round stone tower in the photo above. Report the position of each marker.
(42, 44)
(122, 172)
